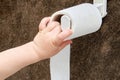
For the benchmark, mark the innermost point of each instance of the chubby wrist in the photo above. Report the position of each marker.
(26, 54)
(39, 52)
(32, 52)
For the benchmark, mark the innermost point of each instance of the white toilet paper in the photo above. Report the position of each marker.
(82, 19)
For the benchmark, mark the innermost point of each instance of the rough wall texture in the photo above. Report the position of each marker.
(93, 57)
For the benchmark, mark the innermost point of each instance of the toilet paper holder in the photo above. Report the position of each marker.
(102, 6)
(82, 19)
(76, 15)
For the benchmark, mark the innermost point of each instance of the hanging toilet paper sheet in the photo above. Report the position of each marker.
(82, 19)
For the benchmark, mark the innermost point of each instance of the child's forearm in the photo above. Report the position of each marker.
(14, 59)
(48, 42)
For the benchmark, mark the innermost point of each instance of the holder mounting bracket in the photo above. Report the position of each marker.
(102, 6)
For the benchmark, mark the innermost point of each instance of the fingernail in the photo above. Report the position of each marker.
(71, 42)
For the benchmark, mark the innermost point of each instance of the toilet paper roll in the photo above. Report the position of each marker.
(82, 19)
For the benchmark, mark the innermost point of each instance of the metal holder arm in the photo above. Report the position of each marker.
(102, 6)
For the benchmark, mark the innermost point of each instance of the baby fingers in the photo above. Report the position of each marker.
(51, 26)
(43, 23)
(59, 39)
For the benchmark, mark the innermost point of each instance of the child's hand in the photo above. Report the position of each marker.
(50, 39)
(48, 42)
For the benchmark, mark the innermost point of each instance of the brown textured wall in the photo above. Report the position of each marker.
(93, 57)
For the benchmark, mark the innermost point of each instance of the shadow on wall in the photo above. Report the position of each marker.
(93, 57)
